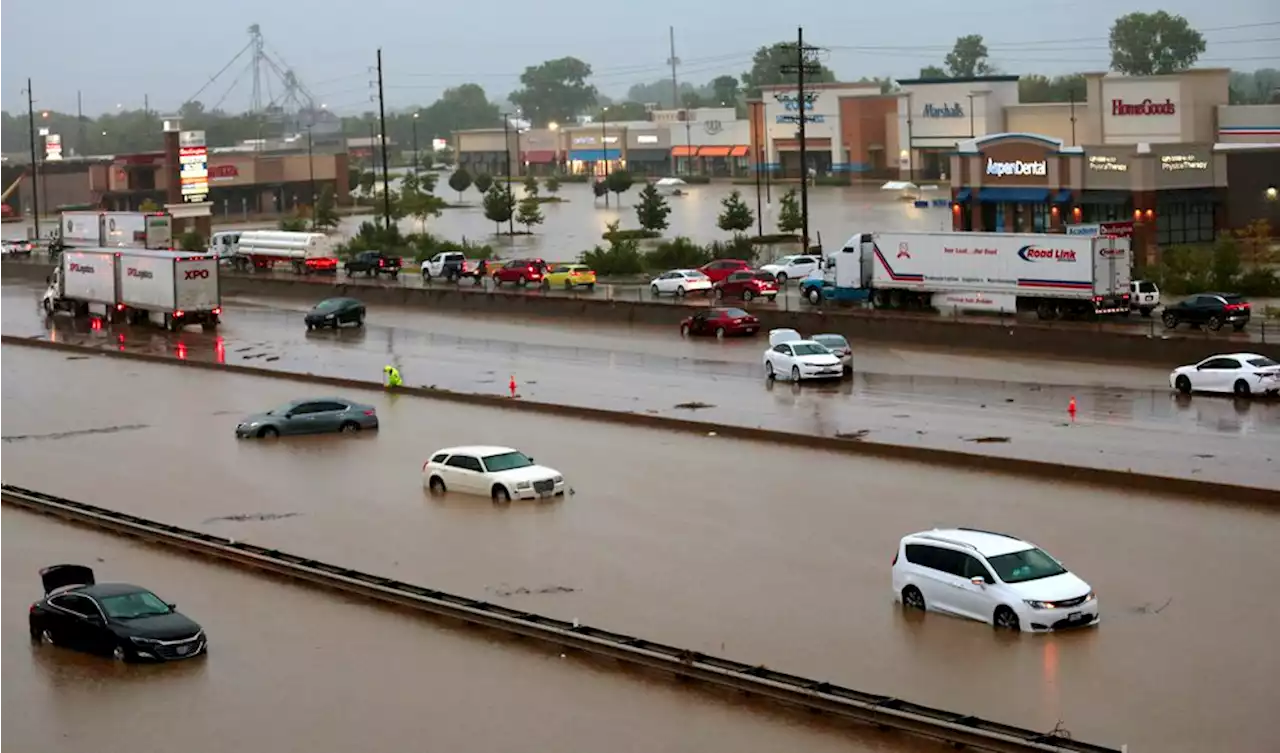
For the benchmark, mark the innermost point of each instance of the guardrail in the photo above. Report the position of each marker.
(792, 690)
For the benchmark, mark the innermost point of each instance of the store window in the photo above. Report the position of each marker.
(1107, 212)
(1183, 222)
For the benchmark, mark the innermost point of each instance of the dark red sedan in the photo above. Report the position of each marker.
(521, 272)
(722, 268)
(720, 322)
(747, 284)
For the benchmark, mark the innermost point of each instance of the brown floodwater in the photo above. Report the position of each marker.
(764, 554)
(1127, 418)
(292, 668)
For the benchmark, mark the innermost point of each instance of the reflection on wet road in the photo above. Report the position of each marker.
(294, 669)
(761, 553)
(1127, 418)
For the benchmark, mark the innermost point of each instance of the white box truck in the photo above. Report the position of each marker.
(262, 249)
(116, 230)
(1053, 275)
(182, 287)
(83, 281)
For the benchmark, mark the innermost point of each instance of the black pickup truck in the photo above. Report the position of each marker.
(373, 263)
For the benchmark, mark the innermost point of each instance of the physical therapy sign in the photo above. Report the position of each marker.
(1016, 167)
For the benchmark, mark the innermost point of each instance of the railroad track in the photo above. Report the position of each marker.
(791, 690)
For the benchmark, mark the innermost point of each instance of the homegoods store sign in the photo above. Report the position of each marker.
(1017, 167)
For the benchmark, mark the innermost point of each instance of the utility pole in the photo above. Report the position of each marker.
(80, 147)
(382, 119)
(35, 162)
(674, 61)
(806, 63)
(759, 209)
(604, 153)
(415, 142)
(311, 166)
(506, 147)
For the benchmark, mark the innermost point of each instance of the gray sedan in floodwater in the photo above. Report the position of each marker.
(315, 415)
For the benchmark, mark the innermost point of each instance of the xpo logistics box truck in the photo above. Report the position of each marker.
(1053, 275)
(181, 287)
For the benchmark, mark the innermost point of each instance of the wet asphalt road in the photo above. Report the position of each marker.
(294, 669)
(1127, 417)
(764, 554)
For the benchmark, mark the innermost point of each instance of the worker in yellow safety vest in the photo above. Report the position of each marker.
(392, 375)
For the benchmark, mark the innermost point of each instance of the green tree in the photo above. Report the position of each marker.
(789, 217)
(622, 111)
(416, 199)
(529, 213)
(148, 205)
(325, 217)
(553, 184)
(619, 181)
(968, 58)
(933, 71)
(599, 188)
(367, 179)
(653, 209)
(483, 182)
(1262, 87)
(1036, 88)
(193, 242)
(531, 186)
(736, 217)
(1226, 266)
(724, 90)
(460, 181)
(499, 205)
(1149, 44)
(767, 69)
(555, 91)
(427, 181)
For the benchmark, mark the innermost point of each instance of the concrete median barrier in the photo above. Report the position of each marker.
(1106, 480)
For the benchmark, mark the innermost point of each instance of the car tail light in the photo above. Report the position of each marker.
(368, 413)
(424, 466)
(119, 307)
(33, 608)
(895, 559)
(179, 313)
(1237, 307)
(380, 262)
(217, 310)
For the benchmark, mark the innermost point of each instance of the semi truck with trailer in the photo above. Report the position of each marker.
(305, 253)
(1051, 274)
(180, 287)
(152, 230)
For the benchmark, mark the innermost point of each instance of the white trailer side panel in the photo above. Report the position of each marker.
(89, 276)
(1113, 265)
(82, 228)
(137, 230)
(994, 263)
(146, 282)
(196, 280)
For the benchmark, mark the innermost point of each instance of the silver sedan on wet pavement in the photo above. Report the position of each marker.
(316, 415)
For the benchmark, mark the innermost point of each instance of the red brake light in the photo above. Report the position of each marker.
(217, 311)
(424, 465)
(381, 262)
(895, 559)
(33, 607)
(178, 313)
(368, 413)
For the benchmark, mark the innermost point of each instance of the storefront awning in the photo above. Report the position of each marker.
(1014, 195)
(539, 156)
(595, 155)
(1103, 197)
(964, 195)
(1062, 197)
(684, 151)
(739, 151)
(714, 151)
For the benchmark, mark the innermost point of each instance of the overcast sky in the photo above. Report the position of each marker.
(168, 51)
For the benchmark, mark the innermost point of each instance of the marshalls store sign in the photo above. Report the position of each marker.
(1017, 167)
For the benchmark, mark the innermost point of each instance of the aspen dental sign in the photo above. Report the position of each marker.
(1017, 167)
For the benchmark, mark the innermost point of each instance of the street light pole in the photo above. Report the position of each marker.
(604, 152)
(519, 161)
(311, 167)
(759, 208)
(506, 147)
(415, 144)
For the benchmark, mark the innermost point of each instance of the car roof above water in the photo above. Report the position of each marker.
(482, 451)
(986, 543)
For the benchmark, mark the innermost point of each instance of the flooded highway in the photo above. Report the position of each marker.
(763, 554)
(292, 669)
(1127, 417)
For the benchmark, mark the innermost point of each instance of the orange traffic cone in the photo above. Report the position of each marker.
(1071, 407)
(512, 385)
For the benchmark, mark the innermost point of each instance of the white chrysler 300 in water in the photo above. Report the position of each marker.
(500, 473)
(991, 577)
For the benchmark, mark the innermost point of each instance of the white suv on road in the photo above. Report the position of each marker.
(990, 577)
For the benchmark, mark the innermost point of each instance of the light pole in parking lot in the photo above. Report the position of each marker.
(604, 152)
(311, 167)
(415, 142)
